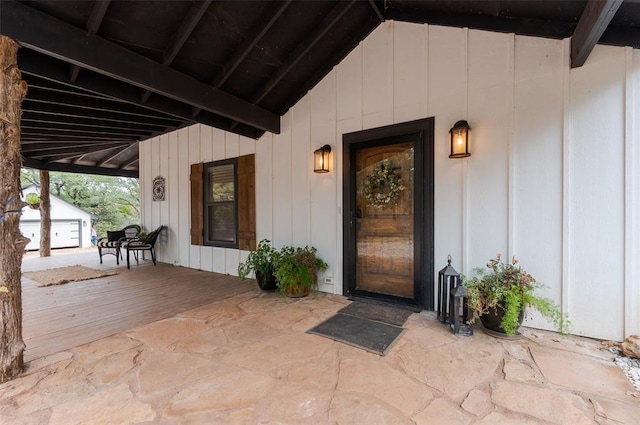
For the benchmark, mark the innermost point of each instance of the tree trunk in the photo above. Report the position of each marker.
(12, 243)
(45, 215)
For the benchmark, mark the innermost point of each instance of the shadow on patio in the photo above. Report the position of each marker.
(247, 359)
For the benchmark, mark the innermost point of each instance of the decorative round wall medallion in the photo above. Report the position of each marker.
(158, 189)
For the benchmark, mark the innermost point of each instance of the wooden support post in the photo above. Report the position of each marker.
(45, 215)
(12, 243)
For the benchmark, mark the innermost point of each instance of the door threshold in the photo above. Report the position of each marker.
(386, 300)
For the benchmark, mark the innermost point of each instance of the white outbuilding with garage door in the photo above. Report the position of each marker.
(70, 225)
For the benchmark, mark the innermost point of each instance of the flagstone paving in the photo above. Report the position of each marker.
(248, 360)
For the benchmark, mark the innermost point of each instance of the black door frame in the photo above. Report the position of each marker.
(423, 196)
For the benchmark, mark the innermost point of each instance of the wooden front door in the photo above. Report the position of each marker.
(384, 219)
(388, 213)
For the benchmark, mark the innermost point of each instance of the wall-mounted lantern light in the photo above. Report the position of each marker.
(460, 135)
(321, 159)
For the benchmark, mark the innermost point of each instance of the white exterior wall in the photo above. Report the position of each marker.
(552, 178)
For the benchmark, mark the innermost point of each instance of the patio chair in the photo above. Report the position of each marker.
(143, 244)
(115, 240)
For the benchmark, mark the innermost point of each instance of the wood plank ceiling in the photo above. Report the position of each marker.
(104, 75)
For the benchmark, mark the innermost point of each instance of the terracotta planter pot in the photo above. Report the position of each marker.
(492, 320)
(34, 206)
(267, 281)
(299, 293)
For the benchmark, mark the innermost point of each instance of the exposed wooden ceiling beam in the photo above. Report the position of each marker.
(594, 21)
(128, 111)
(79, 158)
(40, 32)
(265, 22)
(130, 161)
(375, 8)
(299, 53)
(62, 157)
(523, 26)
(88, 122)
(35, 64)
(93, 24)
(29, 131)
(109, 156)
(363, 30)
(54, 149)
(82, 169)
(77, 114)
(72, 128)
(188, 24)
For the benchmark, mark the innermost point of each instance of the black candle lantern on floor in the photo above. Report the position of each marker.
(448, 280)
(459, 312)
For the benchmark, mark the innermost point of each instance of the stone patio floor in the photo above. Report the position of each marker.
(248, 360)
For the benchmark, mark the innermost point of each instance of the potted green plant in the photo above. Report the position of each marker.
(33, 199)
(296, 270)
(261, 262)
(500, 297)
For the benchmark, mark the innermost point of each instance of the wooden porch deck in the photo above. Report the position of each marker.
(57, 318)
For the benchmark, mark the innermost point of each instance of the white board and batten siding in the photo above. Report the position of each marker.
(552, 180)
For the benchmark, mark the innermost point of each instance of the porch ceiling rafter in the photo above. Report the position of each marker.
(76, 149)
(93, 24)
(377, 10)
(594, 21)
(76, 112)
(36, 119)
(38, 65)
(407, 12)
(112, 154)
(303, 48)
(266, 21)
(129, 162)
(57, 117)
(76, 168)
(47, 35)
(52, 146)
(180, 37)
(73, 130)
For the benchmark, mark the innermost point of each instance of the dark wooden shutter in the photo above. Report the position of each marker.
(197, 208)
(246, 203)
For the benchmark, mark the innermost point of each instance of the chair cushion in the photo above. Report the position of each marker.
(114, 236)
(106, 244)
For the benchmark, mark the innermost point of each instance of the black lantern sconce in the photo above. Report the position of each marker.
(448, 280)
(321, 159)
(460, 135)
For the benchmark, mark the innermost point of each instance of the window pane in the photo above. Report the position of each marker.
(220, 204)
(222, 227)
(221, 183)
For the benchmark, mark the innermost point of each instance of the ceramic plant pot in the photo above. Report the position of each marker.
(492, 320)
(267, 281)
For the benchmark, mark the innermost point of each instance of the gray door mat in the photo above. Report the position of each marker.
(369, 335)
(377, 312)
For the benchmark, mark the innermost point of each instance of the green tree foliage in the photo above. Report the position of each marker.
(114, 200)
